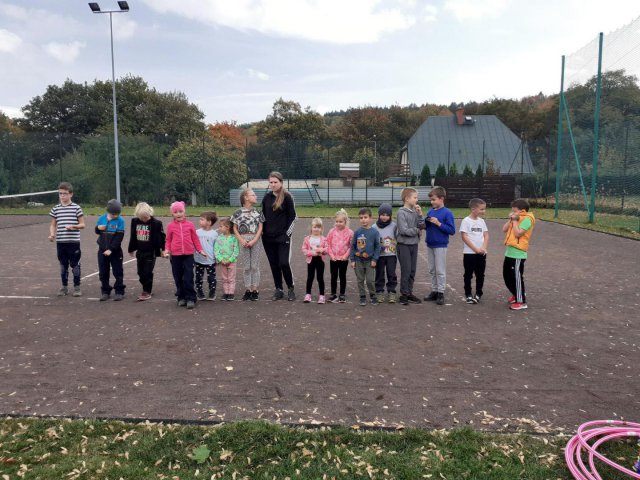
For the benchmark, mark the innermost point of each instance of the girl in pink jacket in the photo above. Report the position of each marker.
(314, 248)
(182, 241)
(339, 246)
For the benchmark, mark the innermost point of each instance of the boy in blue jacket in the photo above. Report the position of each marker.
(365, 251)
(440, 226)
(110, 231)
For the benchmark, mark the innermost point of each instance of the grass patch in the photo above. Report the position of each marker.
(54, 449)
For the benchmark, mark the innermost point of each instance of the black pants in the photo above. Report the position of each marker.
(513, 274)
(182, 269)
(315, 269)
(146, 262)
(338, 268)
(211, 279)
(69, 256)
(278, 255)
(474, 264)
(386, 265)
(408, 258)
(111, 262)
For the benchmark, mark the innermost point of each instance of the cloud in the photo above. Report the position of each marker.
(11, 112)
(327, 21)
(430, 13)
(123, 27)
(259, 75)
(9, 41)
(475, 9)
(64, 52)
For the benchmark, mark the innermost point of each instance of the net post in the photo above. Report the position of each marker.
(559, 146)
(596, 132)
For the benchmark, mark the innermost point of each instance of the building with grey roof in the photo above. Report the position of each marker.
(463, 140)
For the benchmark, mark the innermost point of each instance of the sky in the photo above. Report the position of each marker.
(234, 59)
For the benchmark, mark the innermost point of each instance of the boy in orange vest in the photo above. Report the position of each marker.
(517, 235)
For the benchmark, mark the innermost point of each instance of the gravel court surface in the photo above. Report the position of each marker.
(571, 357)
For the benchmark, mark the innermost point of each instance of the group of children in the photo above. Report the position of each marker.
(373, 250)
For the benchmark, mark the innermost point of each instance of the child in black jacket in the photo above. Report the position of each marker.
(146, 243)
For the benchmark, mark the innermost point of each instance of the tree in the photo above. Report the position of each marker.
(453, 170)
(441, 171)
(479, 172)
(425, 175)
(491, 169)
(467, 172)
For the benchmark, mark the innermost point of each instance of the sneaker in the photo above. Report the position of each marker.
(403, 300)
(342, 299)
(432, 297)
(321, 299)
(469, 299)
(440, 299)
(512, 299)
(374, 300)
(144, 296)
(201, 297)
(104, 297)
(230, 297)
(278, 294)
(363, 301)
(333, 298)
(382, 298)
(254, 296)
(246, 296)
(291, 295)
(119, 297)
(191, 305)
(212, 296)
(518, 306)
(182, 303)
(392, 298)
(307, 298)
(63, 291)
(224, 297)
(411, 298)
(476, 298)
(77, 292)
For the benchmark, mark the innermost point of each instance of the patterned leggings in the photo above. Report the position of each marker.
(211, 279)
(250, 258)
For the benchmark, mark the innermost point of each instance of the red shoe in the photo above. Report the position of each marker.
(512, 299)
(518, 306)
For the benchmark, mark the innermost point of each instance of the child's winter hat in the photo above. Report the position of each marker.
(175, 206)
(114, 207)
(384, 209)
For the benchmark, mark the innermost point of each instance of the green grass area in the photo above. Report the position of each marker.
(623, 225)
(76, 449)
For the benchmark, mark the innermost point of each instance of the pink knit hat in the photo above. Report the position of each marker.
(175, 206)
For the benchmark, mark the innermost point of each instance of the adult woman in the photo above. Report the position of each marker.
(279, 215)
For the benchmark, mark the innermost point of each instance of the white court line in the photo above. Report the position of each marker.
(20, 296)
(96, 273)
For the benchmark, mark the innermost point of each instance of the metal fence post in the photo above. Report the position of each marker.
(596, 133)
(559, 146)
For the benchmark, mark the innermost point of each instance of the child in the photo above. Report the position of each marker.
(315, 247)
(147, 241)
(440, 226)
(67, 220)
(226, 250)
(475, 237)
(365, 250)
(207, 263)
(409, 225)
(388, 231)
(339, 247)
(517, 235)
(247, 227)
(110, 231)
(182, 241)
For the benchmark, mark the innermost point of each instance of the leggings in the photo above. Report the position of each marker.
(211, 278)
(278, 254)
(338, 268)
(250, 258)
(315, 268)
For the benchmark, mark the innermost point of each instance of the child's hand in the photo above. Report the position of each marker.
(418, 209)
(106, 253)
(435, 221)
(166, 254)
(102, 227)
(70, 227)
(52, 238)
(353, 265)
(373, 263)
(482, 251)
(203, 253)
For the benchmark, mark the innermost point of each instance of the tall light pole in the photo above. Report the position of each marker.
(124, 7)
(375, 160)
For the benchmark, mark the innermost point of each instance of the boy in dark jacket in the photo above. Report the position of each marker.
(110, 231)
(146, 242)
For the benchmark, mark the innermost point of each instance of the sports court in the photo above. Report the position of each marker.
(572, 356)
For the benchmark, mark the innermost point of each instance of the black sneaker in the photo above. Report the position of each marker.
(440, 299)
(230, 297)
(118, 297)
(402, 300)
(224, 297)
(191, 305)
(333, 298)
(212, 296)
(201, 297)
(246, 296)
(432, 297)
(254, 296)
(291, 296)
(182, 303)
(411, 298)
(363, 301)
(476, 298)
(104, 297)
(374, 300)
(342, 299)
(278, 294)
(469, 299)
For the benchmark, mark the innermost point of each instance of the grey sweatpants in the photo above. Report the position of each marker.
(250, 258)
(437, 261)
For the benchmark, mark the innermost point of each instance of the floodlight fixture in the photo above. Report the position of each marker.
(124, 6)
(95, 8)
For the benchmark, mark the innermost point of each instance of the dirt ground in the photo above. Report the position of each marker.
(571, 357)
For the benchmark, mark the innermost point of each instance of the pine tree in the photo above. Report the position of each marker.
(467, 172)
(453, 170)
(479, 172)
(425, 175)
(441, 171)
